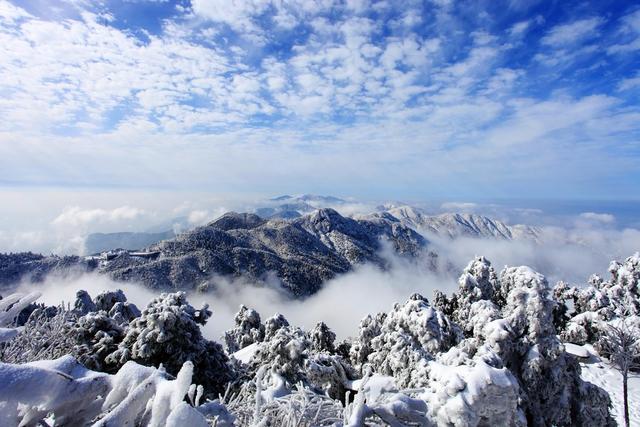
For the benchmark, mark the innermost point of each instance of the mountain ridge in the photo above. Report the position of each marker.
(456, 225)
(303, 252)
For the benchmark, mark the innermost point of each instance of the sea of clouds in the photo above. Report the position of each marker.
(580, 246)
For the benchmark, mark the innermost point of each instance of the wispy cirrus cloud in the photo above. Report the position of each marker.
(628, 33)
(573, 32)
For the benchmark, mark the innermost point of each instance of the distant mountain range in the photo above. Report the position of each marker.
(302, 252)
(281, 207)
(456, 225)
(290, 239)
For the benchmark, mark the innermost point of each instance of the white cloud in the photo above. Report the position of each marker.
(598, 217)
(10, 13)
(88, 104)
(519, 28)
(573, 33)
(236, 13)
(569, 253)
(534, 120)
(75, 73)
(18, 241)
(630, 23)
(199, 217)
(629, 32)
(76, 216)
(629, 83)
(241, 14)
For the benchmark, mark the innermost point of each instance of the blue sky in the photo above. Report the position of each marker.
(434, 99)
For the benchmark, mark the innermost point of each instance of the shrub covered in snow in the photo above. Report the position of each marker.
(322, 338)
(124, 312)
(489, 354)
(106, 300)
(272, 324)
(623, 290)
(601, 302)
(248, 330)
(97, 335)
(547, 375)
(477, 283)
(283, 354)
(411, 335)
(468, 392)
(168, 333)
(370, 328)
(330, 374)
(84, 304)
(84, 332)
(509, 322)
(46, 335)
(525, 339)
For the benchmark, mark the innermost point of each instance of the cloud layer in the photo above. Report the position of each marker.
(427, 99)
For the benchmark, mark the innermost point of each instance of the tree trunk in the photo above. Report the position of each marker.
(625, 398)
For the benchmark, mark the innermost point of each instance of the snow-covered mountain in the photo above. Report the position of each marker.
(15, 267)
(447, 225)
(455, 225)
(302, 252)
(282, 207)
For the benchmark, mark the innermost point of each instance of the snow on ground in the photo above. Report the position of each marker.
(577, 350)
(246, 353)
(375, 386)
(602, 374)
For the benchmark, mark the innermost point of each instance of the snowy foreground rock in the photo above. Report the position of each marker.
(506, 349)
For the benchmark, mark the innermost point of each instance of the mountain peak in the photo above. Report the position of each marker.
(236, 221)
